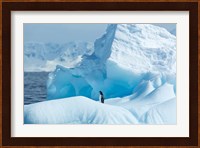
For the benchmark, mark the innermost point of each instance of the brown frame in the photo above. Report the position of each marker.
(7, 140)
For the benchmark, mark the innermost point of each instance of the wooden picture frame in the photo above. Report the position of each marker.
(7, 140)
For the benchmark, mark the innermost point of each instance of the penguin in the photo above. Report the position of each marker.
(101, 97)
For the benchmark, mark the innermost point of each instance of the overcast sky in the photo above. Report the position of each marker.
(62, 33)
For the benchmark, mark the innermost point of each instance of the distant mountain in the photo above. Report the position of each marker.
(45, 56)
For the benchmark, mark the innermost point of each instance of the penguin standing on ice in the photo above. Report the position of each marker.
(101, 97)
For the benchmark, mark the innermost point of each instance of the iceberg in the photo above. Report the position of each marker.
(124, 56)
(134, 65)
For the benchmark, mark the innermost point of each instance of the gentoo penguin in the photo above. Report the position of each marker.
(101, 97)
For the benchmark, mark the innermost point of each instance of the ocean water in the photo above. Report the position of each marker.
(35, 87)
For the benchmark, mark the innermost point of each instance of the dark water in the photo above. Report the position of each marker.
(35, 87)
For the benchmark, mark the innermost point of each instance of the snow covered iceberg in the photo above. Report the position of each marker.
(134, 65)
(124, 56)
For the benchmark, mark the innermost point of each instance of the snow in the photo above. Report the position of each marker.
(164, 113)
(76, 110)
(134, 65)
(143, 48)
(147, 99)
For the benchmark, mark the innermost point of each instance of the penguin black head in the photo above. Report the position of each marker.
(100, 92)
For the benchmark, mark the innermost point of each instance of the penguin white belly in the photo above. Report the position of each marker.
(100, 98)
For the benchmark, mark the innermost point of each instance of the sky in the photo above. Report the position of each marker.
(63, 33)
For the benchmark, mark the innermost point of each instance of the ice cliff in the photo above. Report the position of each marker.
(124, 56)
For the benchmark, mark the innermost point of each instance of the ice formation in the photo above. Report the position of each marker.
(122, 58)
(134, 65)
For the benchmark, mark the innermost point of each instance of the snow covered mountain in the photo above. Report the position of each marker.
(45, 57)
(134, 65)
